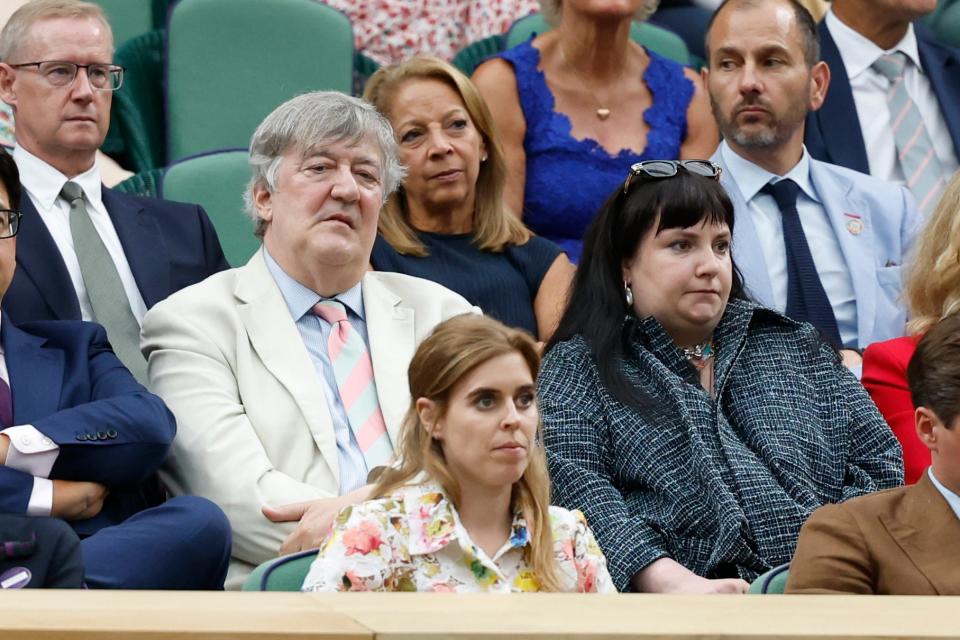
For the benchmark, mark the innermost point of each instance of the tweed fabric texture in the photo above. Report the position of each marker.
(721, 486)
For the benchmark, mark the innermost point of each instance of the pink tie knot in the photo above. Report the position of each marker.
(330, 310)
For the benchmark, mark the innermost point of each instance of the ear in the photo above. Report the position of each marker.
(7, 75)
(705, 75)
(926, 423)
(483, 149)
(819, 84)
(427, 410)
(263, 200)
(625, 268)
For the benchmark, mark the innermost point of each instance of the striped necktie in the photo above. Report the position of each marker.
(111, 308)
(921, 168)
(353, 371)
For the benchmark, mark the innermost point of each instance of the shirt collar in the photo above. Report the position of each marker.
(952, 499)
(300, 299)
(859, 52)
(434, 521)
(44, 183)
(750, 178)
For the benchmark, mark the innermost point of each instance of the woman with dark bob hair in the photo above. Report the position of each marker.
(695, 429)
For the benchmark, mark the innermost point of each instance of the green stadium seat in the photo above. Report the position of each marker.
(128, 18)
(145, 184)
(231, 62)
(468, 58)
(285, 573)
(773, 581)
(654, 38)
(216, 181)
(945, 22)
(137, 116)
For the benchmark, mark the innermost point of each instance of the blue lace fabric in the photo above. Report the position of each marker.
(568, 180)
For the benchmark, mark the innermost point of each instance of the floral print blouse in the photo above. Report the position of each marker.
(413, 540)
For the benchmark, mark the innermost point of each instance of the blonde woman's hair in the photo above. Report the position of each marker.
(454, 349)
(933, 281)
(494, 227)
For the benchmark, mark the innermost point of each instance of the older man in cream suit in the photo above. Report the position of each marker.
(288, 376)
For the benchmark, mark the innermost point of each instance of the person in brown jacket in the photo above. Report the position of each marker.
(903, 541)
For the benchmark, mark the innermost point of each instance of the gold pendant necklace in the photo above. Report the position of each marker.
(601, 112)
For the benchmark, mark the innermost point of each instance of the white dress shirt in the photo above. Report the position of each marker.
(952, 499)
(869, 95)
(823, 242)
(43, 184)
(30, 452)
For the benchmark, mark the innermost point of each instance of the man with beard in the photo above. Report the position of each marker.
(819, 242)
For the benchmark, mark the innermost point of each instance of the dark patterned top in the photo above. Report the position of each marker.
(723, 486)
(568, 179)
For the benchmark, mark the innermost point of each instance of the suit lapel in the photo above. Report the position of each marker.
(40, 259)
(142, 244)
(927, 530)
(842, 207)
(392, 335)
(279, 345)
(837, 118)
(942, 66)
(746, 244)
(36, 374)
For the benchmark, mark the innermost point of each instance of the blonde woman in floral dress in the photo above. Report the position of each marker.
(467, 509)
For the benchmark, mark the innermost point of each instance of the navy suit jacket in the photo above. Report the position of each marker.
(833, 133)
(168, 245)
(67, 383)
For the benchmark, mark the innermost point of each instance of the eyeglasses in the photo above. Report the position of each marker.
(102, 77)
(9, 222)
(658, 169)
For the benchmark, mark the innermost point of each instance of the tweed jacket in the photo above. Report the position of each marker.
(721, 486)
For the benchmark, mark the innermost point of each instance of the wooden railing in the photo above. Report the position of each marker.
(153, 615)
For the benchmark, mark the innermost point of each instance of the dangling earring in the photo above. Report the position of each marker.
(627, 293)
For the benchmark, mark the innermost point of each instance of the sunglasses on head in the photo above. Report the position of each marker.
(658, 169)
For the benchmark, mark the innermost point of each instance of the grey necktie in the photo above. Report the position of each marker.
(111, 308)
(921, 169)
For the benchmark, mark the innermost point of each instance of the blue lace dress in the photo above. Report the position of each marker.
(568, 180)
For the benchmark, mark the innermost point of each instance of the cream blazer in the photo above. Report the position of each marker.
(253, 425)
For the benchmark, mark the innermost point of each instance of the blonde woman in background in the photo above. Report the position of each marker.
(932, 292)
(468, 509)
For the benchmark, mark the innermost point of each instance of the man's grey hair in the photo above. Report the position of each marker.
(306, 124)
(15, 32)
(551, 10)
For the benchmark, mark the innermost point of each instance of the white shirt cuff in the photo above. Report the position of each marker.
(30, 451)
(41, 498)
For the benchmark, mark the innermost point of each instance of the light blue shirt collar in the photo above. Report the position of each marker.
(750, 178)
(300, 299)
(952, 499)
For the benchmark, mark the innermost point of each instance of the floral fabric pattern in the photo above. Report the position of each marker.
(393, 31)
(413, 540)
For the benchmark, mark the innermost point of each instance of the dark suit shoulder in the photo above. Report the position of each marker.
(65, 333)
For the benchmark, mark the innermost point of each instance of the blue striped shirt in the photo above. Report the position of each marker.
(315, 332)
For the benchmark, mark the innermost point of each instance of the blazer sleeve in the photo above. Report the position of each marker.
(217, 453)
(832, 555)
(582, 463)
(114, 432)
(885, 379)
(15, 489)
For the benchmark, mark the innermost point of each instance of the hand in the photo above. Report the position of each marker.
(4, 447)
(77, 500)
(315, 518)
(851, 358)
(668, 576)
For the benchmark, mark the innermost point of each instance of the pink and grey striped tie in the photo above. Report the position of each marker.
(921, 169)
(354, 373)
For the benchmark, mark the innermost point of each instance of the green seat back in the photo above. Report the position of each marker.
(137, 114)
(468, 58)
(285, 573)
(128, 18)
(216, 181)
(231, 62)
(945, 22)
(145, 184)
(654, 38)
(773, 581)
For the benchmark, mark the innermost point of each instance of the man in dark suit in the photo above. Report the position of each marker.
(893, 108)
(86, 252)
(78, 439)
(903, 541)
